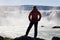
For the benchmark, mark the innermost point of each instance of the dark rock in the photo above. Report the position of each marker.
(56, 27)
(42, 26)
(1, 38)
(55, 38)
(27, 38)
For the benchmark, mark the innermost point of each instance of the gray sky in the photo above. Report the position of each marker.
(30, 2)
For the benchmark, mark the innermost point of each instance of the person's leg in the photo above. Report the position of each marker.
(30, 25)
(35, 29)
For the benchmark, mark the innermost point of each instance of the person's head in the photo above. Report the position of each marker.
(34, 8)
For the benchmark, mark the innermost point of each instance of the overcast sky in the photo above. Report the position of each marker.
(30, 2)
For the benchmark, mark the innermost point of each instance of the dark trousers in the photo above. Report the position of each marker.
(35, 28)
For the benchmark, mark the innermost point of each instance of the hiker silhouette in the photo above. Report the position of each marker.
(34, 17)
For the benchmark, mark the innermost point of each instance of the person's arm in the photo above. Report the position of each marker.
(39, 14)
(29, 17)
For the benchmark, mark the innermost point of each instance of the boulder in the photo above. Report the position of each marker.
(1, 38)
(55, 38)
(27, 38)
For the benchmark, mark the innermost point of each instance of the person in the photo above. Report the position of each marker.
(34, 17)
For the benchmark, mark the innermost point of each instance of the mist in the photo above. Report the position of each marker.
(14, 20)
